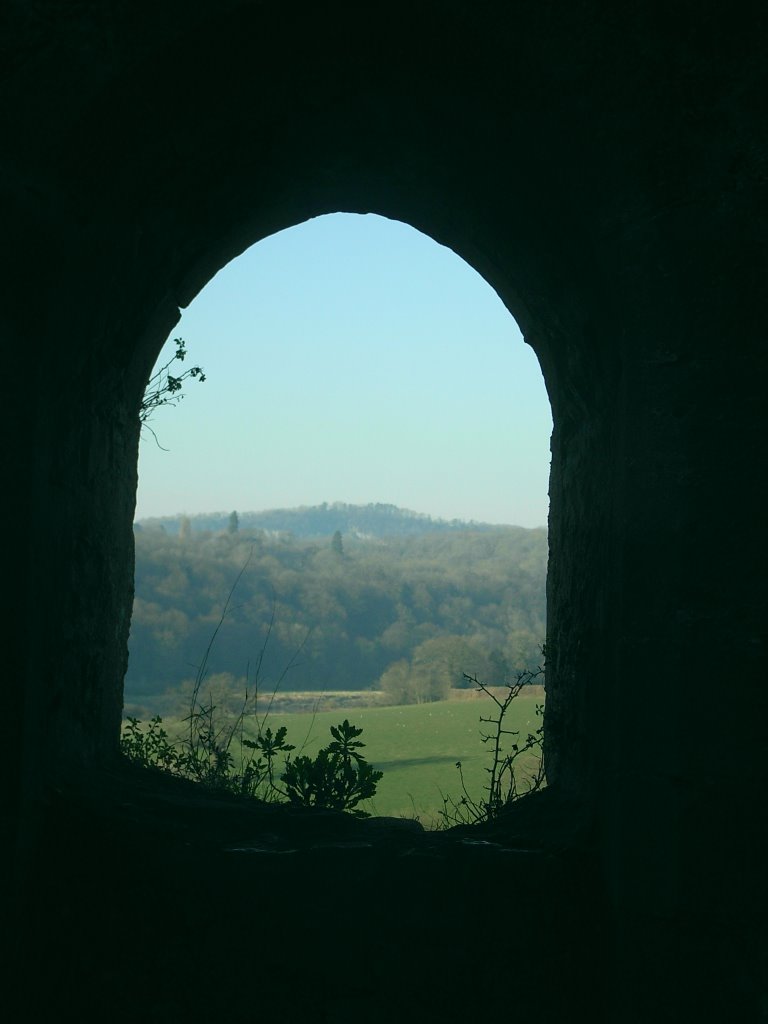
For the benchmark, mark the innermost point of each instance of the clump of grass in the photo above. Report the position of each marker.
(338, 778)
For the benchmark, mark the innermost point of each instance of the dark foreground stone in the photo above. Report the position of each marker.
(150, 901)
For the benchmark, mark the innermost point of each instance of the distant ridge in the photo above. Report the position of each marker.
(315, 521)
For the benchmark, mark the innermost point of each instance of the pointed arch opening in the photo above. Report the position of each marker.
(371, 443)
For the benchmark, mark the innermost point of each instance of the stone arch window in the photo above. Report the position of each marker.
(459, 385)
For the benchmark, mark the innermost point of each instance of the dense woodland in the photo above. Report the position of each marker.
(356, 610)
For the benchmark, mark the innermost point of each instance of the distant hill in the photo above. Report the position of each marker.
(320, 521)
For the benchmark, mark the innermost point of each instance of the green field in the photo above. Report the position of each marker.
(417, 747)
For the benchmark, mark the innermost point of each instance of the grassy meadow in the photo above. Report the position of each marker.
(416, 746)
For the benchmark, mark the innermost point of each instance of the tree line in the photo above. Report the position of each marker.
(407, 614)
(313, 522)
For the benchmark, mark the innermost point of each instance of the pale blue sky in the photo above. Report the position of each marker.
(351, 358)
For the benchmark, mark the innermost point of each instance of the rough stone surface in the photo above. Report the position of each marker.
(604, 167)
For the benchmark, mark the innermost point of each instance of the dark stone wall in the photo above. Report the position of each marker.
(604, 167)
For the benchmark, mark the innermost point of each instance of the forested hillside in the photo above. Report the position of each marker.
(408, 614)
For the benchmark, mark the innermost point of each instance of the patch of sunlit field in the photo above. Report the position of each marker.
(417, 747)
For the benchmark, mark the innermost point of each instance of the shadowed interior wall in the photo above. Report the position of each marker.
(604, 169)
